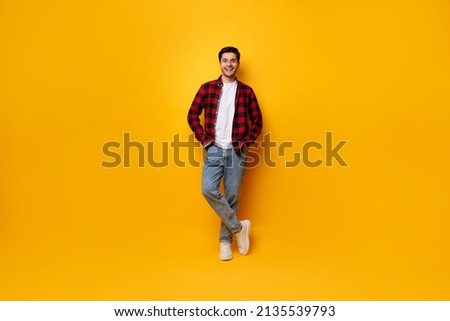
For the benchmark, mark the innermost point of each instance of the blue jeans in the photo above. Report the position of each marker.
(224, 164)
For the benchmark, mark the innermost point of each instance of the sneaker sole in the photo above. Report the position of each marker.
(247, 238)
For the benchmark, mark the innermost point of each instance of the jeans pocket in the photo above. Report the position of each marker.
(211, 149)
(212, 157)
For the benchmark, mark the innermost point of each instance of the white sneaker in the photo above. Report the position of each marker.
(242, 238)
(225, 251)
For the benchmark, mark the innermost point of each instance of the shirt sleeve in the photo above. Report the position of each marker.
(256, 120)
(193, 116)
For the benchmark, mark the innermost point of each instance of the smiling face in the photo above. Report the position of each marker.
(229, 65)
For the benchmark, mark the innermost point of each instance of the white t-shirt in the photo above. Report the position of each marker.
(225, 115)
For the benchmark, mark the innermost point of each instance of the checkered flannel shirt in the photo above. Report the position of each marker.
(246, 111)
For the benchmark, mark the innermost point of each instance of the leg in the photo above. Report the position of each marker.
(233, 176)
(213, 171)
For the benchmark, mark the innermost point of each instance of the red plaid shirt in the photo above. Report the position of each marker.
(246, 108)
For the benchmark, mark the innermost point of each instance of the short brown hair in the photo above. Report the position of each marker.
(230, 49)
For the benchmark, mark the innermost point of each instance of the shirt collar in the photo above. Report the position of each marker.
(219, 81)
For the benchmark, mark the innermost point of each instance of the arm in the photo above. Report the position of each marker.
(256, 121)
(193, 116)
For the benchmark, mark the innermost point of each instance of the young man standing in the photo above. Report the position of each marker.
(232, 121)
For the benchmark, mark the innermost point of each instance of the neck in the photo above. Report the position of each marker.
(228, 80)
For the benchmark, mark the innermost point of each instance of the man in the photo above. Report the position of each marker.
(232, 121)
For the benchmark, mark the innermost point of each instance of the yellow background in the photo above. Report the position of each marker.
(77, 74)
